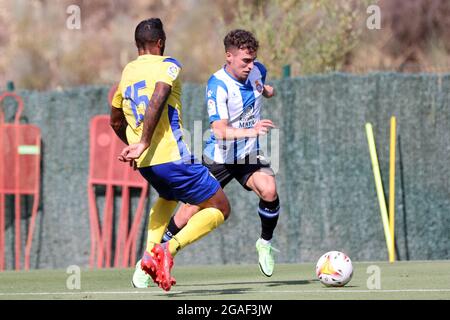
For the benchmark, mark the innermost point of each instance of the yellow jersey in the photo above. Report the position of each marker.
(133, 95)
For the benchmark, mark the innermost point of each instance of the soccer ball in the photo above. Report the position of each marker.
(334, 269)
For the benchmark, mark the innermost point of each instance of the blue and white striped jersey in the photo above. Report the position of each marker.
(239, 103)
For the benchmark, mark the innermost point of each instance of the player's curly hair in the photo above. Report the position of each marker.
(240, 39)
(149, 31)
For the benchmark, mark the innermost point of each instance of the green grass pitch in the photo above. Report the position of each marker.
(398, 281)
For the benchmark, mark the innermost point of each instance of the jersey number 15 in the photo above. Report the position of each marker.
(132, 94)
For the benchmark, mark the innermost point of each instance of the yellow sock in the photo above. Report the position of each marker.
(159, 218)
(201, 223)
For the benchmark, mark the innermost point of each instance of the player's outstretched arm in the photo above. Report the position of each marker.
(151, 118)
(223, 131)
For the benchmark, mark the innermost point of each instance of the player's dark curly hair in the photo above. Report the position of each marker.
(149, 31)
(240, 39)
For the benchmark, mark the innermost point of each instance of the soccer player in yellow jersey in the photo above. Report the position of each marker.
(146, 115)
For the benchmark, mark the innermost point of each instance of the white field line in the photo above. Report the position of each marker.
(247, 292)
(83, 293)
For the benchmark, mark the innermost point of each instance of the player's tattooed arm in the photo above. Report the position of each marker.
(154, 111)
(119, 123)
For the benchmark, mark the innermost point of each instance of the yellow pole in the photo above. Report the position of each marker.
(379, 187)
(392, 188)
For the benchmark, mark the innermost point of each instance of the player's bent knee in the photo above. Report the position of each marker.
(219, 201)
(224, 206)
(269, 194)
(226, 211)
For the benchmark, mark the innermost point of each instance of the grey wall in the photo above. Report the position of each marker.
(325, 178)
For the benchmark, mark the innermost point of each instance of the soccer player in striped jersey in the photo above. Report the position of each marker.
(146, 115)
(234, 97)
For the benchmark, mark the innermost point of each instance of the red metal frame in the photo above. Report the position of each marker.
(21, 178)
(106, 170)
(2, 202)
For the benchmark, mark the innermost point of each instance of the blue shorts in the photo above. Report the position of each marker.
(187, 182)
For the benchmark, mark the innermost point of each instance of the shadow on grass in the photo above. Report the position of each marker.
(266, 283)
(210, 292)
(231, 291)
(237, 291)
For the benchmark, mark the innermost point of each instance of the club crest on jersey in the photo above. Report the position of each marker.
(173, 71)
(259, 86)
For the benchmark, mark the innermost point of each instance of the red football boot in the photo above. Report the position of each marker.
(149, 265)
(164, 266)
